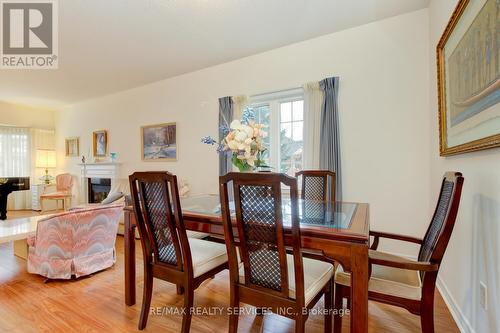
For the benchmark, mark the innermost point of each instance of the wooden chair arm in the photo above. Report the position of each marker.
(377, 235)
(378, 258)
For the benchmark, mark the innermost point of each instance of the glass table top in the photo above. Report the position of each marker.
(336, 215)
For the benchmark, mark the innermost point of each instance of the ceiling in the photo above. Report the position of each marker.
(113, 45)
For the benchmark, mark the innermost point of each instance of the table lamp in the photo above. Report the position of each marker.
(46, 158)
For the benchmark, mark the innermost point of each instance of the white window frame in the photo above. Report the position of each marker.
(274, 101)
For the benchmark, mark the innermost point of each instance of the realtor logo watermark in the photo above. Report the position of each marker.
(29, 34)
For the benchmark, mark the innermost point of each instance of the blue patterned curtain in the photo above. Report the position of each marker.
(329, 132)
(225, 118)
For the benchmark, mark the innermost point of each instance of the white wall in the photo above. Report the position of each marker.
(473, 254)
(383, 69)
(26, 116)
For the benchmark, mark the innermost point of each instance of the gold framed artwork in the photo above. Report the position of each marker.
(469, 78)
(100, 143)
(72, 146)
(159, 142)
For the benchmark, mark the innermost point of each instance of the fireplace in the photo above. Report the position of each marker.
(98, 189)
(91, 172)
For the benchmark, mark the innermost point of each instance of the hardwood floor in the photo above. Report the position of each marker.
(96, 304)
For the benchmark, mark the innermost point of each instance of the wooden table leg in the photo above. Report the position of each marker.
(359, 288)
(129, 243)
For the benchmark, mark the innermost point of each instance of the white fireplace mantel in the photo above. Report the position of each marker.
(100, 170)
(109, 170)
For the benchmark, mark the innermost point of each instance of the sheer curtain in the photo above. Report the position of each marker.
(239, 104)
(15, 161)
(313, 101)
(17, 158)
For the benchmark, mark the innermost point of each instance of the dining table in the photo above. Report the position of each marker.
(333, 231)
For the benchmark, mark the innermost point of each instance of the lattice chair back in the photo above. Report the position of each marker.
(318, 185)
(259, 220)
(439, 231)
(158, 212)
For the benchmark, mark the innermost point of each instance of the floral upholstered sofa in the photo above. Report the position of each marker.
(78, 242)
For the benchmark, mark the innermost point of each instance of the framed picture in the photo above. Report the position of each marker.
(72, 147)
(159, 142)
(468, 78)
(100, 143)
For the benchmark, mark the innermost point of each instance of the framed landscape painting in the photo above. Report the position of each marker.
(469, 78)
(159, 142)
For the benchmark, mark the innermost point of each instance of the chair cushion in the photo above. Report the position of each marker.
(206, 255)
(112, 197)
(62, 194)
(316, 276)
(388, 280)
(196, 234)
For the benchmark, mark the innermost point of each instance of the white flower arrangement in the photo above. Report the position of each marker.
(244, 141)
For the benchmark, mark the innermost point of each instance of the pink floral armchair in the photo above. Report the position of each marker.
(76, 243)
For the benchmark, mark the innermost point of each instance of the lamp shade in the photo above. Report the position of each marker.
(45, 158)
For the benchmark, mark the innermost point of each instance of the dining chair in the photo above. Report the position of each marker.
(168, 253)
(268, 277)
(64, 186)
(317, 185)
(408, 283)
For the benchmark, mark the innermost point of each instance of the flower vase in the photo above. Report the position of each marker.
(242, 165)
(245, 168)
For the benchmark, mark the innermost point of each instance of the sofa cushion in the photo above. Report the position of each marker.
(112, 197)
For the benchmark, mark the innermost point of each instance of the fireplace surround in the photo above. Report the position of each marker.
(96, 180)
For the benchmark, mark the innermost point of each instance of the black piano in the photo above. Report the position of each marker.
(8, 185)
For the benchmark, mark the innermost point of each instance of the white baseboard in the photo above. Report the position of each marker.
(462, 322)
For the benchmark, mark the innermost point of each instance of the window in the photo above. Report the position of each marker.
(14, 152)
(263, 116)
(283, 114)
(291, 136)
